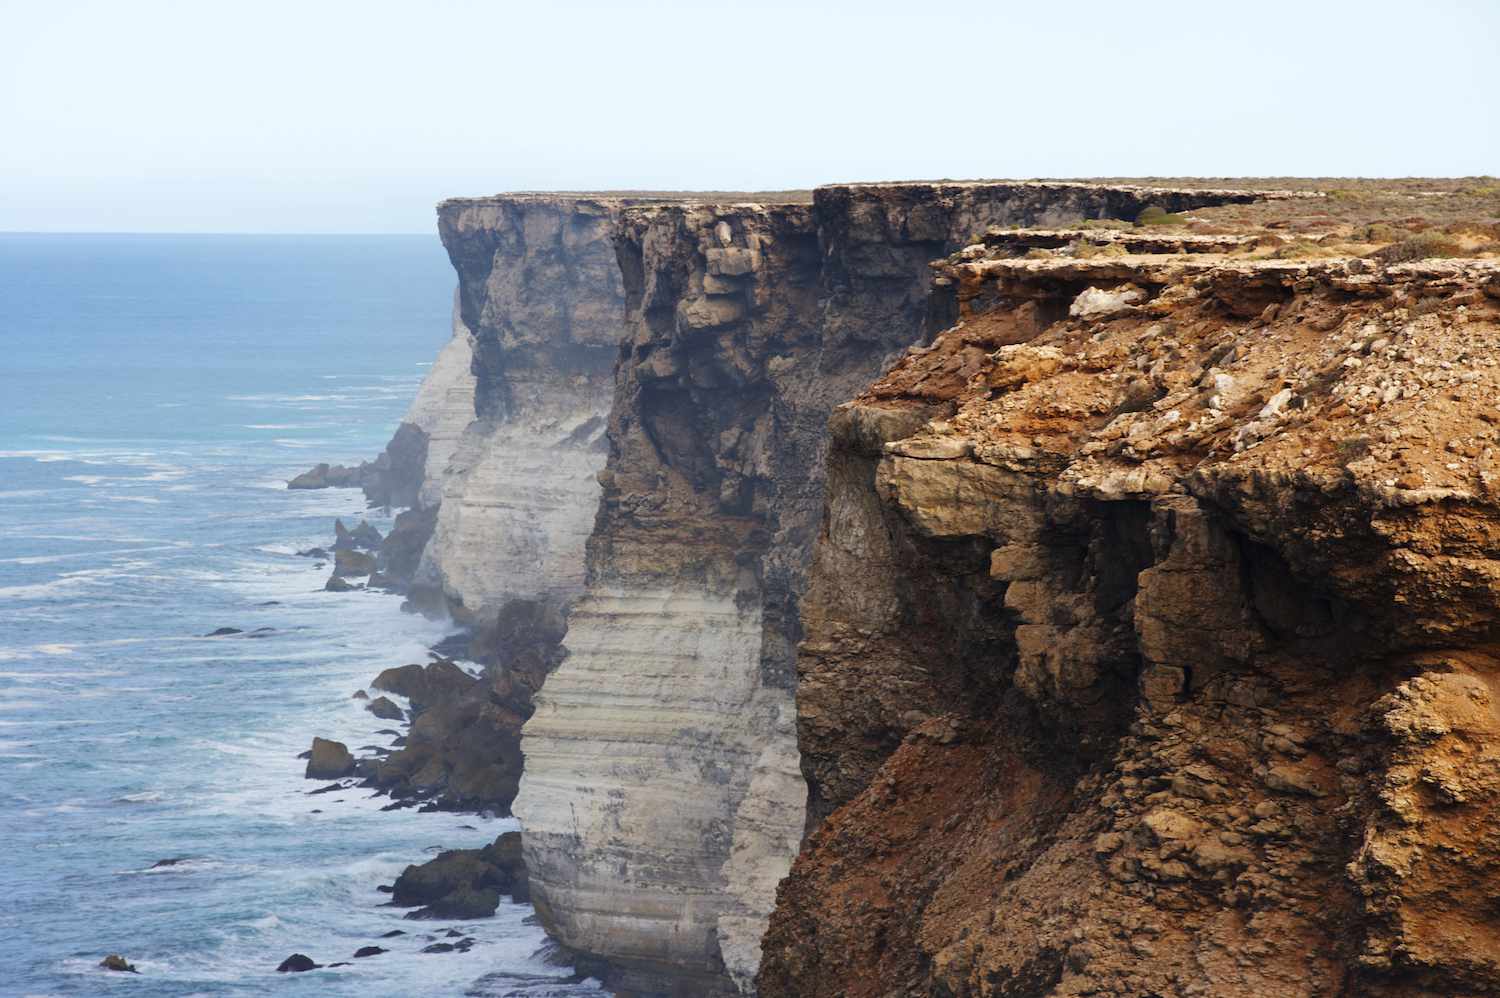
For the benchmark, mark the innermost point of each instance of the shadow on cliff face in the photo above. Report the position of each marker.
(1005, 839)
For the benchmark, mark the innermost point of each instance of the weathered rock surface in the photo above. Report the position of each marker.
(463, 749)
(328, 760)
(1153, 650)
(661, 798)
(464, 880)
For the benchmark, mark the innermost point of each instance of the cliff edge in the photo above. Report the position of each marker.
(1151, 638)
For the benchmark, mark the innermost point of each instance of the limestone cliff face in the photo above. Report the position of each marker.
(662, 799)
(669, 704)
(443, 409)
(515, 495)
(1151, 642)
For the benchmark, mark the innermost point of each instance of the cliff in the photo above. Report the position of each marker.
(538, 288)
(1151, 639)
(661, 798)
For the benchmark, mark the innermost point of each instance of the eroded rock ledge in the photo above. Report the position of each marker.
(1151, 642)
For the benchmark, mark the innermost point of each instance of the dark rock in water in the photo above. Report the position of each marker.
(375, 749)
(296, 964)
(401, 551)
(332, 787)
(360, 695)
(119, 964)
(305, 755)
(261, 632)
(379, 581)
(341, 963)
(439, 948)
(453, 646)
(338, 585)
(270, 602)
(426, 685)
(448, 873)
(329, 761)
(393, 934)
(349, 562)
(385, 708)
(168, 862)
(395, 477)
(463, 749)
(326, 476)
(462, 903)
(387, 889)
(386, 731)
(223, 632)
(316, 810)
(318, 553)
(362, 536)
(454, 934)
(458, 883)
(365, 951)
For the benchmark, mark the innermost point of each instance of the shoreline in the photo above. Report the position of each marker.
(458, 884)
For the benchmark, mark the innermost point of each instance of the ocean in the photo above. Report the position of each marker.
(156, 392)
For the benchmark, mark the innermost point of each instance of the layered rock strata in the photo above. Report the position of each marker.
(539, 288)
(661, 798)
(1152, 643)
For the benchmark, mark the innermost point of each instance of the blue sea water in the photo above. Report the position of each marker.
(155, 394)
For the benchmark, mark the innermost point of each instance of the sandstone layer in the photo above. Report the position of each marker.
(1152, 644)
(661, 799)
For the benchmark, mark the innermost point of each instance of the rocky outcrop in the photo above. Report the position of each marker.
(463, 883)
(661, 798)
(1151, 641)
(463, 749)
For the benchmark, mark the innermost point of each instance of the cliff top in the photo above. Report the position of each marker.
(632, 197)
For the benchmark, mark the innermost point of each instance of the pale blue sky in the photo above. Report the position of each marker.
(341, 116)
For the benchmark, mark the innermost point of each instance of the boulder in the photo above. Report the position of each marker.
(119, 964)
(463, 903)
(365, 951)
(220, 632)
(297, 963)
(426, 685)
(329, 760)
(458, 883)
(1094, 302)
(338, 585)
(385, 708)
(318, 553)
(449, 872)
(348, 561)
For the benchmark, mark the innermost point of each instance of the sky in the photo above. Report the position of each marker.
(337, 116)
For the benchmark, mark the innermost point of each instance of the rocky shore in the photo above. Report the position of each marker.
(1105, 608)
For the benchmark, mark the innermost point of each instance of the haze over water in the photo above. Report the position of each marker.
(155, 394)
